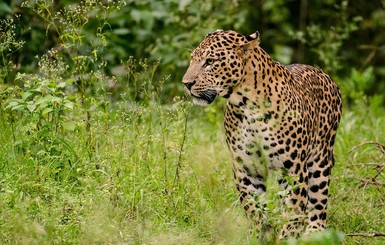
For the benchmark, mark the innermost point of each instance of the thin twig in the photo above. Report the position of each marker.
(374, 234)
(371, 47)
(371, 182)
(380, 166)
(368, 164)
(376, 144)
(179, 162)
(374, 51)
(378, 172)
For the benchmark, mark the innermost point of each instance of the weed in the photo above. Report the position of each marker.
(9, 44)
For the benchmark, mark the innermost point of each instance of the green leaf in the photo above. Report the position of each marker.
(61, 85)
(12, 104)
(41, 100)
(6, 8)
(46, 111)
(26, 95)
(17, 107)
(69, 105)
(70, 126)
(121, 31)
(183, 4)
(31, 107)
(55, 99)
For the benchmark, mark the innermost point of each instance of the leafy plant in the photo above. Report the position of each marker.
(43, 102)
(42, 110)
(9, 44)
(326, 42)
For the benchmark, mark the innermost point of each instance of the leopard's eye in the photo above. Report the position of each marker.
(209, 62)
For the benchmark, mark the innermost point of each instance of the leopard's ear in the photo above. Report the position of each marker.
(252, 43)
(253, 37)
(213, 32)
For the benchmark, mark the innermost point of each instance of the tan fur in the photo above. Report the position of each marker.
(277, 118)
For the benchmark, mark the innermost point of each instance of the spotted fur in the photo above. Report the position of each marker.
(277, 118)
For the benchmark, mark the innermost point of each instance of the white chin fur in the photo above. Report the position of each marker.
(200, 102)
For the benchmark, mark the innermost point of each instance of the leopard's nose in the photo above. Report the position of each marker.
(189, 84)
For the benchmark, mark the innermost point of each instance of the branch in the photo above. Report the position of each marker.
(178, 165)
(376, 144)
(380, 166)
(368, 164)
(374, 234)
(371, 182)
(368, 46)
(372, 54)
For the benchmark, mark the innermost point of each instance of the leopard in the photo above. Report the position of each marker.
(278, 119)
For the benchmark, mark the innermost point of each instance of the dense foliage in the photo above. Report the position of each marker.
(100, 146)
(339, 36)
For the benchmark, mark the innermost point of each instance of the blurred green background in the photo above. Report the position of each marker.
(345, 38)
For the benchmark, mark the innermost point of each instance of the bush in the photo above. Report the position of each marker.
(333, 35)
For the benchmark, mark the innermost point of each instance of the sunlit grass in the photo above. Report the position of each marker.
(124, 189)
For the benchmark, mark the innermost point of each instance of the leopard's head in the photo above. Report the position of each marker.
(217, 65)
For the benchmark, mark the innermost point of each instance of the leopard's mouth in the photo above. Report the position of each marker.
(205, 97)
(200, 101)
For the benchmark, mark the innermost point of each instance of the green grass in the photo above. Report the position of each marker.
(122, 186)
(355, 208)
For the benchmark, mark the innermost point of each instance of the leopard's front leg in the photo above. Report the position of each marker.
(294, 203)
(250, 185)
(249, 168)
